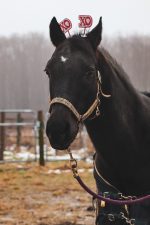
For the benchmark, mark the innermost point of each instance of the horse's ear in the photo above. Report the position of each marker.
(56, 34)
(95, 35)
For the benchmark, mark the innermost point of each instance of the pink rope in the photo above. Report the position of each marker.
(108, 200)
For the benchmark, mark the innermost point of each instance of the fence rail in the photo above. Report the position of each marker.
(16, 124)
(17, 111)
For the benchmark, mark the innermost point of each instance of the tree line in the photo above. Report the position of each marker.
(23, 83)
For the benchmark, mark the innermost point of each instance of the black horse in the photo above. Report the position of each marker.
(80, 73)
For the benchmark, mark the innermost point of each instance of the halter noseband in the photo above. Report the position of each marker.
(95, 105)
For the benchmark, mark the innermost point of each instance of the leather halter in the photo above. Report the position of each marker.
(95, 105)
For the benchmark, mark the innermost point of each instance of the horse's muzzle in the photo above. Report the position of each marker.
(61, 129)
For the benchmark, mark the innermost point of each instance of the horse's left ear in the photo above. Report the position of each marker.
(56, 34)
(95, 35)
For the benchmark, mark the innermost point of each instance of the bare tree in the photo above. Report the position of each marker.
(134, 54)
(23, 84)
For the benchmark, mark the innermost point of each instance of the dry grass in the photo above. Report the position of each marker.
(30, 195)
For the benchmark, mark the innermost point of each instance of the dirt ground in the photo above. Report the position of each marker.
(33, 195)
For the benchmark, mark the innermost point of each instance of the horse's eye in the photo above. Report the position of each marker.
(47, 72)
(90, 73)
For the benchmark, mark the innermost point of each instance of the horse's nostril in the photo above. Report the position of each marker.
(57, 130)
(61, 129)
(57, 138)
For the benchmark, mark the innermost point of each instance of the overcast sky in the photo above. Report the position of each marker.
(120, 17)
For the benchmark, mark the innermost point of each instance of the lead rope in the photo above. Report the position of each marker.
(73, 166)
(110, 217)
(128, 200)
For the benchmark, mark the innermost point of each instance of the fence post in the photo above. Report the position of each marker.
(2, 137)
(41, 138)
(19, 120)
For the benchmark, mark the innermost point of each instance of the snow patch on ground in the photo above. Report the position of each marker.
(49, 154)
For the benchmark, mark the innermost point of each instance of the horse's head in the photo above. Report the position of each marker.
(72, 72)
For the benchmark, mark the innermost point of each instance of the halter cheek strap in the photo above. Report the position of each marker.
(95, 105)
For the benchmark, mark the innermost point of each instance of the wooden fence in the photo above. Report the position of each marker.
(36, 122)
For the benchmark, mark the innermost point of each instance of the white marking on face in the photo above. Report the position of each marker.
(63, 59)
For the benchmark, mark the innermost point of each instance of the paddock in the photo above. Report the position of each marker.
(33, 186)
(36, 195)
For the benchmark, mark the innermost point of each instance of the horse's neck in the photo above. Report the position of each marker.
(121, 133)
(116, 83)
(112, 131)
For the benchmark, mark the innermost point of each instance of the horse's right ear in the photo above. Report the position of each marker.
(56, 34)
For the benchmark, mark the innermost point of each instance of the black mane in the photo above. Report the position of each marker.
(146, 93)
(117, 68)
